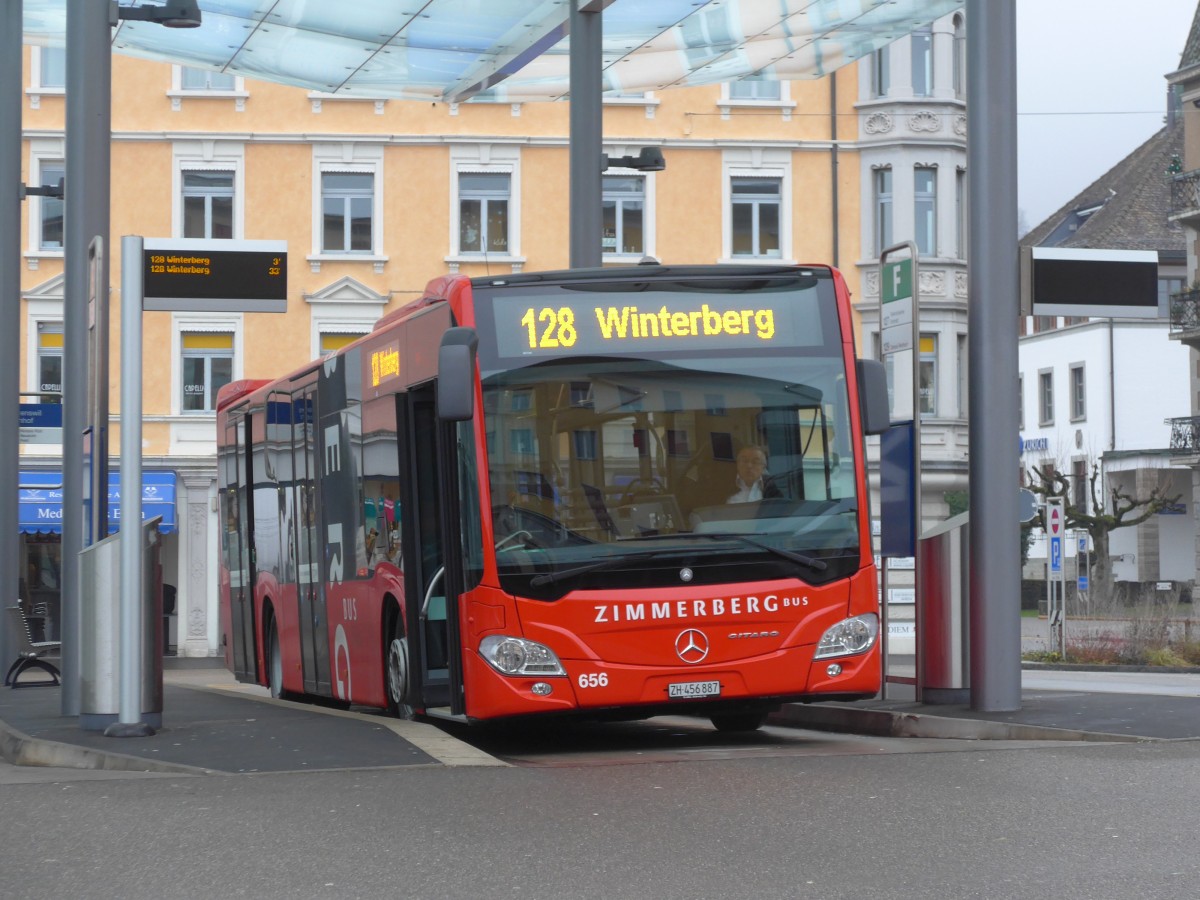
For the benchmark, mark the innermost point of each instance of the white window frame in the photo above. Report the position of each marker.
(344, 307)
(925, 212)
(645, 99)
(43, 306)
(348, 158)
(178, 92)
(208, 196)
(199, 323)
(42, 151)
(1078, 383)
(209, 156)
(486, 159)
(925, 61)
(785, 104)
(36, 89)
(929, 359)
(1045, 397)
(757, 162)
(884, 205)
(881, 72)
(490, 200)
(649, 243)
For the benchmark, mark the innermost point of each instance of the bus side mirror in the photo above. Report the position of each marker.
(873, 396)
(456, 375)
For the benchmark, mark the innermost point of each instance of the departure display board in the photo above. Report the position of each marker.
(193, 275)
(569, 323)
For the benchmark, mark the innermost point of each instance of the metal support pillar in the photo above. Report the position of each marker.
(89, 133)
(11, 98)
(995, 579)
(587, 136)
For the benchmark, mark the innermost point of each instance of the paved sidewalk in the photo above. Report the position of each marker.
(212, 724)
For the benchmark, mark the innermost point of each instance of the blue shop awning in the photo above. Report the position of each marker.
(40, 495)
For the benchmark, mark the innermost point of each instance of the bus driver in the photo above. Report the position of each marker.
(753, 481)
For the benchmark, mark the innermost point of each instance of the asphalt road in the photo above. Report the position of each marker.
(978, 820)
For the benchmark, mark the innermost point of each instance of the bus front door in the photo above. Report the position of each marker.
(432, 577)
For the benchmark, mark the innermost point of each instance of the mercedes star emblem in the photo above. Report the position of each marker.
(692, 646)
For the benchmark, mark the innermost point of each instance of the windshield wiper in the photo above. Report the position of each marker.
(809, 561)
(598, 565)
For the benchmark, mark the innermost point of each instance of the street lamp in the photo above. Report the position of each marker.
(171, 14)
(649, 159)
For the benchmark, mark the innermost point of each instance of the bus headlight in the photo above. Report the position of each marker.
(848, 637)
(517, 656)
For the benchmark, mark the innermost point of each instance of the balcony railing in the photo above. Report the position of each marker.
(1185, 434)
(1185, 311)
(1185, 194)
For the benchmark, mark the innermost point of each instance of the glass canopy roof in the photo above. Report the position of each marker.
(508, 50)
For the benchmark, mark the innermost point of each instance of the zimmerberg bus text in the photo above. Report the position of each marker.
(695, 609)
(629, 322)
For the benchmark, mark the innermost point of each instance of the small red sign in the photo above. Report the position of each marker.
(1054, 523)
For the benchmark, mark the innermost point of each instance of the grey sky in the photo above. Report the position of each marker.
(1090, 88)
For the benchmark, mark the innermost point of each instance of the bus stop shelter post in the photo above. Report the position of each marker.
(995, 559)
(11, 98)
(587, 134)
(89, 128)
(132, 594)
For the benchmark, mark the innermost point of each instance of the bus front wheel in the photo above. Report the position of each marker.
(397, 673)
(742, 721)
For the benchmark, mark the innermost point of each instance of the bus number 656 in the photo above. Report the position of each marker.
(593, 679)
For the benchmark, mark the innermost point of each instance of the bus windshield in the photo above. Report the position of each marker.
(671, 461)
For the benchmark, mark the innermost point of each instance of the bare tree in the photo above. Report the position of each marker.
(1120, 511)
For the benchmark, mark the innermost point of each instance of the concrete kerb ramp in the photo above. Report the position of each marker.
(20, 749)
(840, 717)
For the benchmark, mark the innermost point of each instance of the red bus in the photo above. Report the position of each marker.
(520, 495)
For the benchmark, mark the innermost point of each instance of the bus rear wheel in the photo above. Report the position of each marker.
(740, 721)
(397, 674)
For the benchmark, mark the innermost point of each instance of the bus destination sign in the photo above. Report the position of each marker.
(193, 275)
(558, 324)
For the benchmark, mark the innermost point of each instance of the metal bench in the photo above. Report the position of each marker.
(30, 653)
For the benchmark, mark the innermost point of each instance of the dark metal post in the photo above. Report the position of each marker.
(86, 206)
(587, 135)
(11, 98)
(995, 580)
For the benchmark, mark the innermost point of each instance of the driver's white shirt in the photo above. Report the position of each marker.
(746, 493)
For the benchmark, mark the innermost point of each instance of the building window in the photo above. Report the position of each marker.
(348, 212)
(207, 366)
(193, 79)
(1079, 485)
(755, 87)
(755, 216)
(1046, 398)
(925, 210)
(960, 213)
(961, 363)
(50, 209)
(52, 69)
(922, 61)
(208, 204)
(883, 210)
(332, 343)
(1167, 287)
(1078, 393)
(959, 73)
(50, 361)
(881, 61)
(483, 199)
(623, 207)
(927, 375)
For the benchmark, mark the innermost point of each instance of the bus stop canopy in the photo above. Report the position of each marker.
(508, 50)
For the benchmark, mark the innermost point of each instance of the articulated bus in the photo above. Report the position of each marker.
(519, 496)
